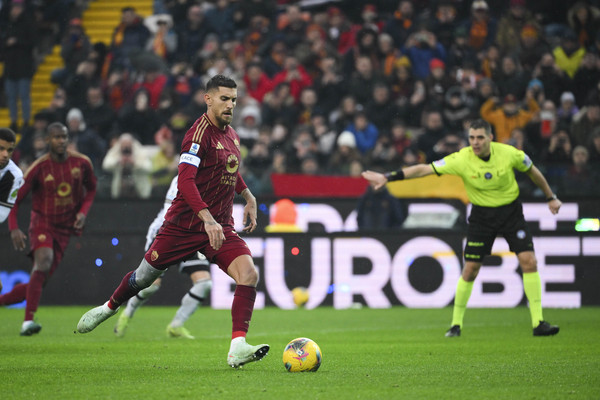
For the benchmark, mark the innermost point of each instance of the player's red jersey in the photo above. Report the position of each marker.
(60, 190)
(208, 175)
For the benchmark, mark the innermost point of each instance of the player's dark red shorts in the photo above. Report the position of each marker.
(57, 239)
(173, 244)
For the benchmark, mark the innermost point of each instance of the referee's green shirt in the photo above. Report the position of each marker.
(489, 183)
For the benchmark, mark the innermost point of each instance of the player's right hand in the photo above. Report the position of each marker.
(214, 230)
(18, 238)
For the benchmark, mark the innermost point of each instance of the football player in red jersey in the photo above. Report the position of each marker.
(200, 219)
(63, 186)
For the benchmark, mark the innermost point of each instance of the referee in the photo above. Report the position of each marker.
(487, 170)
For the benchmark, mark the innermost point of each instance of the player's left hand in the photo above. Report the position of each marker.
(554, 205)
(250, 214)
(79, 221)
(376, 179)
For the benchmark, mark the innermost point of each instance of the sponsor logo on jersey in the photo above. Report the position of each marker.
(154, 255)
(439, 163)
(220, 146)
(488, 175)
(49, 178)
(194, 149)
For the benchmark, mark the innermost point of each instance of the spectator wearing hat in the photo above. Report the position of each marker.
(511, 25)
(443, 23)
(481, 27)
(437, 83)
(344, 154)
(408, 92)
(75, 47)
(508, 115)
(569, 53)
(17, 41)
(163, 39)
(568, 108)
(583, 19)
(532, 47)
(586, 78)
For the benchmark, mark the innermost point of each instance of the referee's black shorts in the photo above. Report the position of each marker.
(486, 223)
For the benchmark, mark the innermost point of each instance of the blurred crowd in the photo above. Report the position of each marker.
(324, 87)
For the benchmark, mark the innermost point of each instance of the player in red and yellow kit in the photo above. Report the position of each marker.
(200, 219)
(63, 186)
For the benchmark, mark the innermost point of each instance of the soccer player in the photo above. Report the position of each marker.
(487, 170)
(11, 177)
(63, 187)
(198, 269)
(200, 219)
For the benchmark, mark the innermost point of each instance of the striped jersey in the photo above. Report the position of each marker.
(11, 179)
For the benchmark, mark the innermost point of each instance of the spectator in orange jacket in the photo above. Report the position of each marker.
(509, 115)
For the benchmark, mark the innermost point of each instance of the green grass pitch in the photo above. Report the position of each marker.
(394, 353)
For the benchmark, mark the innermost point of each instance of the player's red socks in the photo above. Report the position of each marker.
(124, 292)
(16, 295)
(241, 309)
(34, 292)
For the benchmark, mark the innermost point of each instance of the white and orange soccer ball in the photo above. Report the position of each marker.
(302, 355)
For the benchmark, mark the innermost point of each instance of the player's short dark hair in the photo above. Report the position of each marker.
(481, 124)
(8, 135)
(220, 81)
(55, 126)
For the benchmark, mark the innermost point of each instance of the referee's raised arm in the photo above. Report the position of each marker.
(378, 179)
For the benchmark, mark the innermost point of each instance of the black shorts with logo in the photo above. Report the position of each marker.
(486, 223)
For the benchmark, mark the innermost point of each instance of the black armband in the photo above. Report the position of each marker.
(553, 197)
(394, 175)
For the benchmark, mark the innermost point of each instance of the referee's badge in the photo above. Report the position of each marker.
(521, 234)
(488, 175)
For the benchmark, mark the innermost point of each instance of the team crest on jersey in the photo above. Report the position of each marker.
(64, 189)
(49, 178)
(76, 172)
(488, 175)
(194, 148)
(41, 238)
(521, 234)
(439, 163)
(232, 164)
(154, 255)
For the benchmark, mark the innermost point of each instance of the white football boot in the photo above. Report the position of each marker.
(241, 353)
(91, 319)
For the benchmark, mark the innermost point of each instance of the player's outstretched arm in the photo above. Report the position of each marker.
(250, 211)
(538, 178)
(377, 179)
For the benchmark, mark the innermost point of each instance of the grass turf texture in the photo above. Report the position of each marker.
(369, 354)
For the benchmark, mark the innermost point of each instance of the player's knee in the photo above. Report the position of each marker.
(528, 261)
(146, 274)
(247, 276)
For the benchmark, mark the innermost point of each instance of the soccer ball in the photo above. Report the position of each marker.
(300, 296)
(302, 355)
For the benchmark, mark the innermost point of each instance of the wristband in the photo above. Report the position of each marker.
(394, 175)
(553, 197)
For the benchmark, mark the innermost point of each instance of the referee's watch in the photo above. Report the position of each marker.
(553, 197)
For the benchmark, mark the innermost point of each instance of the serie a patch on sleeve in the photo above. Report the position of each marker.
(194, 148)
(439, 163)
(191, 159)
(527, 161)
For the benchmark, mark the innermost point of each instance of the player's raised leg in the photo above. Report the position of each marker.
(131, 284)
(244, 273)
(133, 304)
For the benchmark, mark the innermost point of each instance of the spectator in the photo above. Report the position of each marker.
(128, 162)
(57, 109)
(585, 123)
(17, 43)
(422, 47)
(344, 154)
(559, 149)
(75, 47)
(586, 78)
(444, 23)
(191, 34)
(401, 137)
(183, 82)
(456, 108)
(434, 132)
(117, 88)
(139, 118)
(569, 53)
(329, 85)
(247, 128)
(154, 81)
(162, 41)
(221, 19)
(460, 52)
(401, 25)
(509, 115)
(25, 153)
(98, 115)
(511, 24)
(379, 210)
(584, 18)
(511, 79)
(481, 27)
(197, 106)
(257, 82)
(363, 80)
(128, 39)
(381, 109)
(344, 114)
(340, 32)
(532, 47)
(568, 109)
(580, 180)
(552, 77)
(364, 131)
(308, 105)
(519, 140)
(292, 25)
(83, 139)
(294, 75)
(365, 46)
(388, 54)
(437, 83)
(279, 107)
(304, 146)
(594, 149)
(324, 136)
(164, 164)
(540, 129)
(77, 85)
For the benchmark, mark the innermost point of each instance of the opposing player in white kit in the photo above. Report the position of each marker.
(198, 269)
